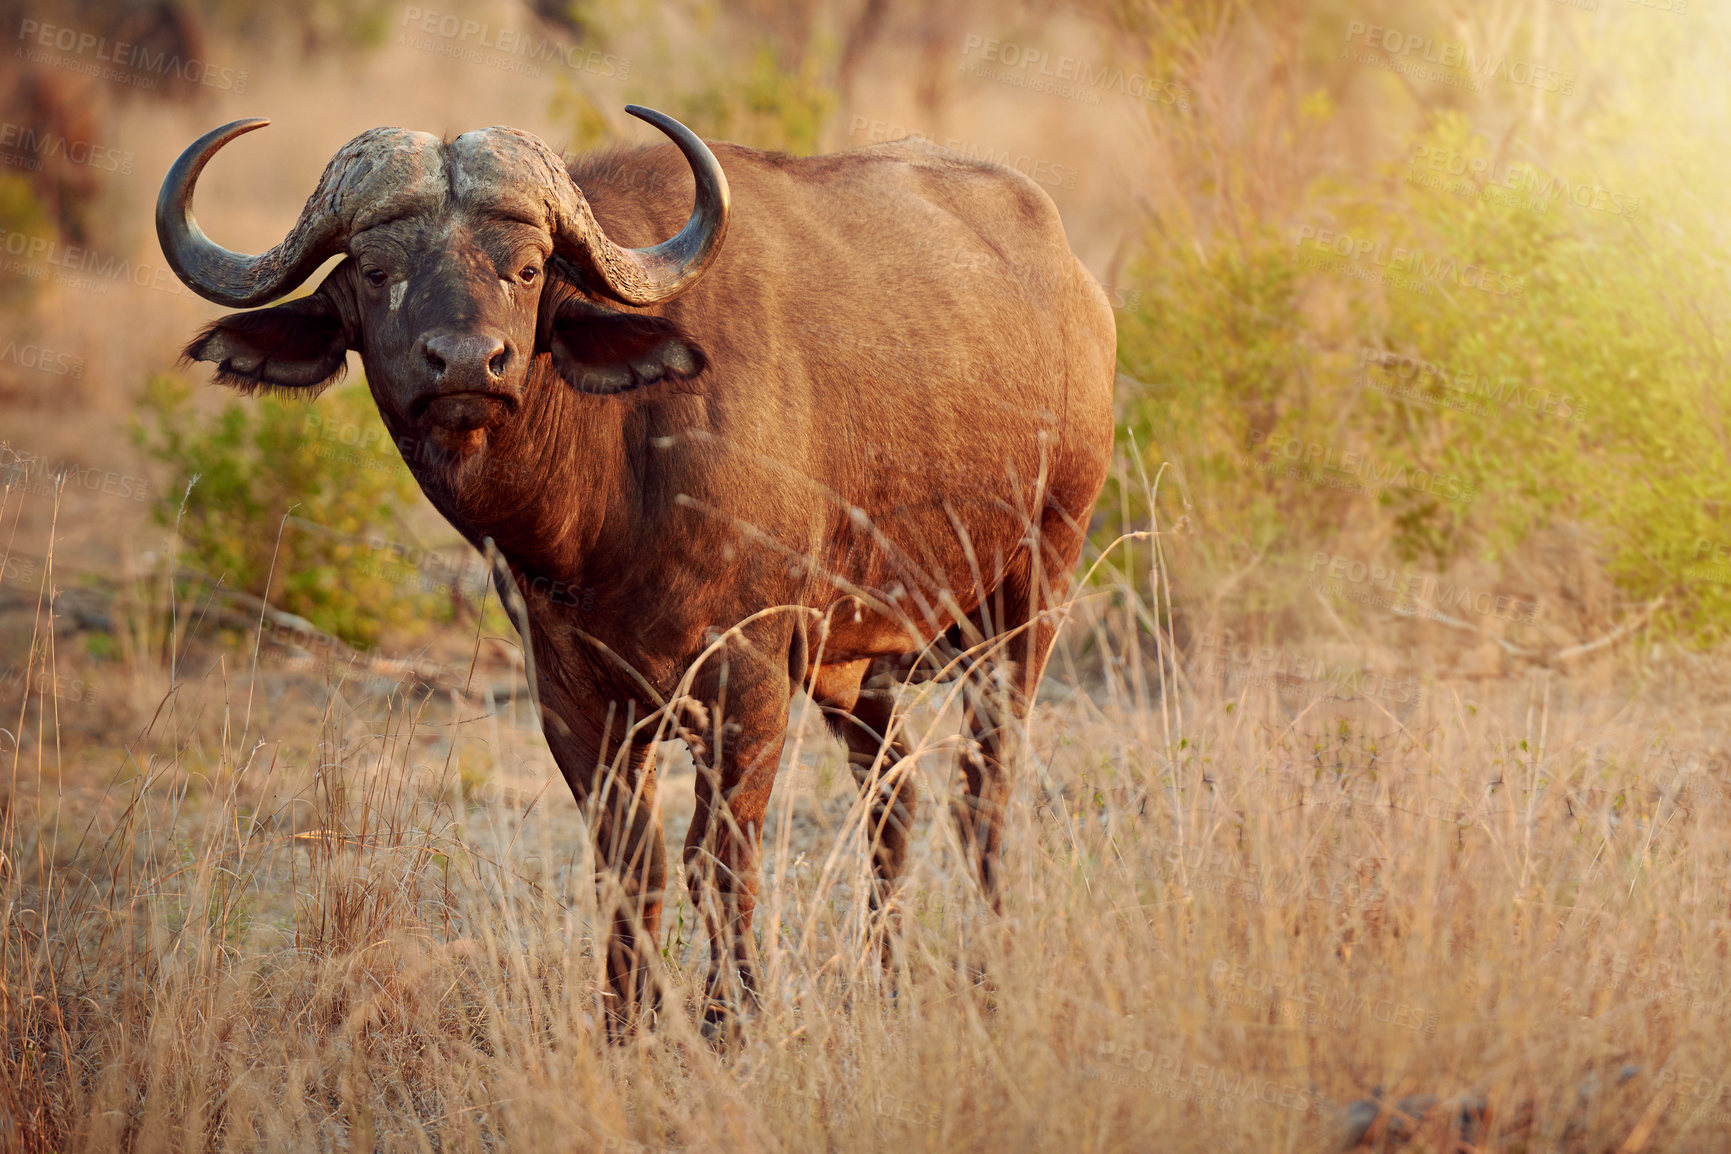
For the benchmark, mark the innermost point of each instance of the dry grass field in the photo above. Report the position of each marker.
(308, 909)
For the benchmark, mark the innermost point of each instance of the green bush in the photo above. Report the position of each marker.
(259, 461)
(1584, 387)
(21, 211)
(760, 101)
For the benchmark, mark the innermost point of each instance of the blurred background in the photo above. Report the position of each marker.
(1420, 303)
(1422, 306)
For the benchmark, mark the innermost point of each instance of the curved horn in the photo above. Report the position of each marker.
(239, 280)
(646, 276)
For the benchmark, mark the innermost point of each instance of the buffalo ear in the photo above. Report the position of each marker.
(300, 347)
(601, 351)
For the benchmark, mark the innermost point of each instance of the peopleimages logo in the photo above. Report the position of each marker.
(1041, 171)
(1524, 179)
(1317, 990)
(26, 147)
(55, 687)
(1307, 674)
(460, 32)
(1023, 65)
(1401, 45)
(135, 59)
(42, 359)
(1505, 393)
(1412, 591)
(31, 473)
(1214, 1088)
(44, 257)
(1399, 259)
(1315, 462)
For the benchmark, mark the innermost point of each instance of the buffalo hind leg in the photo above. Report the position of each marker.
(1019, 634)
(886, 782)
(979, 812)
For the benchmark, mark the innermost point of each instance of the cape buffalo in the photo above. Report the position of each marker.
(857, 409)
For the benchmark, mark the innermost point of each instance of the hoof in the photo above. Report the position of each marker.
(721, 1025)
(628, 1016)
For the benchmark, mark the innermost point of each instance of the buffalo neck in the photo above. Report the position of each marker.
(537, 483)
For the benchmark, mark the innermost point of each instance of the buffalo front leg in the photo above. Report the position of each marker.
(614, 783)
(736, 735)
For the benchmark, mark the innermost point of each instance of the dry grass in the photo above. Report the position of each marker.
(1235, 906)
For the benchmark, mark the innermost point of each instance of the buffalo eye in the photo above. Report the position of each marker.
(529, 273)
(376, 277)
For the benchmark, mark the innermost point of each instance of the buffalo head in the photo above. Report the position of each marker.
(466, 261)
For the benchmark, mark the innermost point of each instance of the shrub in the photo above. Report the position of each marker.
(1571, 348)
(345, 497)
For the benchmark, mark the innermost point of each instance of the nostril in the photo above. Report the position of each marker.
(467, 360)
